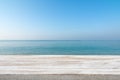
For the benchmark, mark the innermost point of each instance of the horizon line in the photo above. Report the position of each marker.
(55, 40)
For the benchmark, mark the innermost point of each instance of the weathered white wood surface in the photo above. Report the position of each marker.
(59, 64)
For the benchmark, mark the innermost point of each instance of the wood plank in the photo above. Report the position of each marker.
(59, 64)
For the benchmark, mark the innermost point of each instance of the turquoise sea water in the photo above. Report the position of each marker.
(53, 47)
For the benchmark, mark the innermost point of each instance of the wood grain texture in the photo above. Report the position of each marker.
(58, 77)
(59, 64)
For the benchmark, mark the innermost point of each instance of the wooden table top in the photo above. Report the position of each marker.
(59, 64)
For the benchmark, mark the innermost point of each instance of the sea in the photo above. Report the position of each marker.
(59, 47)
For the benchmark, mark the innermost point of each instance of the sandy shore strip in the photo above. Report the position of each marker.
(59, 64)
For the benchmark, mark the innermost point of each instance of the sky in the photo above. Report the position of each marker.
(59, 19)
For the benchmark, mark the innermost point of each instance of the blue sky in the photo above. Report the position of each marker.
(60, 19)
